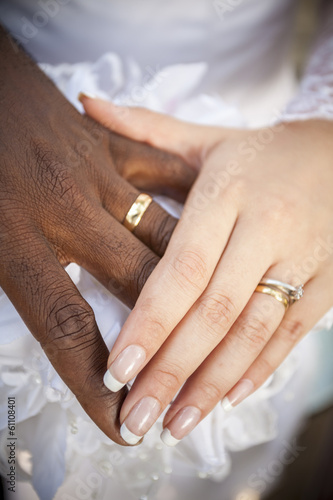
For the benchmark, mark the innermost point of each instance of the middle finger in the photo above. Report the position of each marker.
(209, 320)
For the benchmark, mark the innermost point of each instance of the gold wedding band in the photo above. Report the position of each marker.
(279, 295)
(135, 213)
(294, 292)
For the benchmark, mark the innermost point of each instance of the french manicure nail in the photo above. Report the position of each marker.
(125, 367)
(181, 425)
(82, 95)
(140, 419)
(237, 394)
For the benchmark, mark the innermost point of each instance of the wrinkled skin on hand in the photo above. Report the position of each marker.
(66, 184)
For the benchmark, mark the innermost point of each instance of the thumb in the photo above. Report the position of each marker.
(187, 140)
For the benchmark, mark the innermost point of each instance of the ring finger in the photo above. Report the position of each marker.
(114, 256)
(297, 322)
(156, 225)
(226, 366)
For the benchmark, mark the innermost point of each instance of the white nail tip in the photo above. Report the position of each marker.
(112, 383)
(128, 436)
(168, 439)
(87, 94)
(226, 405)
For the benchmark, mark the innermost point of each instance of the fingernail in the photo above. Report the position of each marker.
(237, 394)
(181, 425)
(82, 95)
(140, 419)
(125, 367)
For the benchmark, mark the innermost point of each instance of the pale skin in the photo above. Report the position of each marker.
(267, 212)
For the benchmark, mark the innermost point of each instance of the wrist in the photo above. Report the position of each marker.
(23, 81)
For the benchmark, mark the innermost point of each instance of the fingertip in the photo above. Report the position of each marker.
(168, 439)
(109, 114)
(112, 383)
(92, 102)
(128, 436)
(83, 96)
(226, 405)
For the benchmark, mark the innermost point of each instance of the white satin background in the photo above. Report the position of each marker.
(200, 68)
(245, 48)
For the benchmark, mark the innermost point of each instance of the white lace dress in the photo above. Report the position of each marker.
(208, 62)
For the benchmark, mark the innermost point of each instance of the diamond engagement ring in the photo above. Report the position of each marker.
(295, 292)
(283, 292)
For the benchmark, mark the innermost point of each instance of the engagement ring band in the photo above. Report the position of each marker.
(135, 213)
(294, 293)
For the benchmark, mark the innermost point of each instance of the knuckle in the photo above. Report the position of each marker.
(211, 392)
(51, 172)
(291, 330)
(216, 310)
(264, 369)
(57, 184)
(281, 209)
(156, 330)
(71, 324)
(254, 332)
(189, 268)
(168, 379)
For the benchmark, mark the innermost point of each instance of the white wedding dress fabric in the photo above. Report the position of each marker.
(314, 99)
(203, 63)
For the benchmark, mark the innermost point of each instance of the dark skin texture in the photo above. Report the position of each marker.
(66, 184)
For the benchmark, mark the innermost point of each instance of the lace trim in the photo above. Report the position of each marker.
(315, 96)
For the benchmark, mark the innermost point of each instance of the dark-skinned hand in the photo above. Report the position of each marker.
(66, 184)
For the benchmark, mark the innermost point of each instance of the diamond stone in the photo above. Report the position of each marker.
(299, 292)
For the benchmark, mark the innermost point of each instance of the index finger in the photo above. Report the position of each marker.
(173, 287)
(148, 168)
